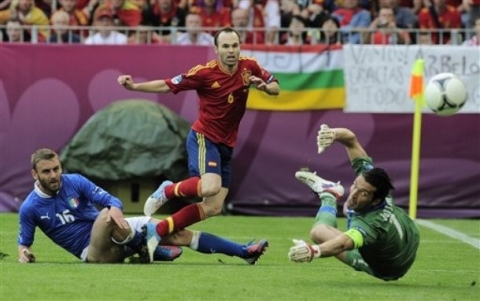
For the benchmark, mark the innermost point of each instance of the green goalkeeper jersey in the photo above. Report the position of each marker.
(390, 237)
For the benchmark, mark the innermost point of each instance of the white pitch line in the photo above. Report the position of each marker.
(450, 232)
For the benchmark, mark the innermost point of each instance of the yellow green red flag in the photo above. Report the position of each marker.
(311, 77)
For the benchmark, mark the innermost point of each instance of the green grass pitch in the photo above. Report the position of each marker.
(446, 269)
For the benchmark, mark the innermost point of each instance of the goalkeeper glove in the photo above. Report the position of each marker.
(325, 138)
(303, 252)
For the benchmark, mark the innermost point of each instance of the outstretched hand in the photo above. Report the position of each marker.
(303, 252)
(126, 81)
(325, 138)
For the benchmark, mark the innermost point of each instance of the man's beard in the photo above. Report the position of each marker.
(49, 188)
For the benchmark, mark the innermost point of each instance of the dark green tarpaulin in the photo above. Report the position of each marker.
(129, 139)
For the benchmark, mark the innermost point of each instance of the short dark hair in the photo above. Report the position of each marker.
(225, 29)
(42, 154)
(378, 178)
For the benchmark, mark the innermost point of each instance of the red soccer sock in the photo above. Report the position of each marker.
(191, 187)
(187, 216)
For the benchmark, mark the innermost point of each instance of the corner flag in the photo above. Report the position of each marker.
(417, 94)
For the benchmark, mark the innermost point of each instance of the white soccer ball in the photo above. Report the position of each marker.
(445, 94)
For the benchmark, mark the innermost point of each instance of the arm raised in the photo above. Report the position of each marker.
(154, 86)
(327, 136)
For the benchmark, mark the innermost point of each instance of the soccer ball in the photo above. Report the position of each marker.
(445, 94)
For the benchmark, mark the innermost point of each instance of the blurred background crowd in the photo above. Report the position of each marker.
(271, 22)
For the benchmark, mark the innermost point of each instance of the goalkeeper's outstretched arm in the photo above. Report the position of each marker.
(335, 246)
(350, 141)
(304, 252)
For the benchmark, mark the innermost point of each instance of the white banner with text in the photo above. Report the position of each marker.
(377, 78)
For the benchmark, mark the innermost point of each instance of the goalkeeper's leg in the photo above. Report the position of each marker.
(327, 213)
(325, 225)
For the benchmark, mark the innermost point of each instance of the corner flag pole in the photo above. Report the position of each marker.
(417, 94)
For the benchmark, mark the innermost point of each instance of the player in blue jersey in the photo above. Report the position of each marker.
(381, 239)
(63, 207)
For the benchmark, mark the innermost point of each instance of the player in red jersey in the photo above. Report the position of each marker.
(222, 86)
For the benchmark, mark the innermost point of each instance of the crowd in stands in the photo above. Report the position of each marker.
(277, 22)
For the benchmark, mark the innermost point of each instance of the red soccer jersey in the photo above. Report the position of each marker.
(449, 18)
(223, 96)
(218, 19)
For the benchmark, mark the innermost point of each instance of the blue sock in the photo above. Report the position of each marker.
(136, 241)
(327, 213)
(208, 244)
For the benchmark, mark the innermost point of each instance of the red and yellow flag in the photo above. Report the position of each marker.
(417, 85)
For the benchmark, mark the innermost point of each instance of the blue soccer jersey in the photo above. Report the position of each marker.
(66, 218)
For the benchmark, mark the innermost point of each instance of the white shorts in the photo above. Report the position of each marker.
(135, 222)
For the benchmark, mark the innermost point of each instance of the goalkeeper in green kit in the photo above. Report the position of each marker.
(381, 239)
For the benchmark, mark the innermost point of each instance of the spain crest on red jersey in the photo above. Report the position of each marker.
(246, 77)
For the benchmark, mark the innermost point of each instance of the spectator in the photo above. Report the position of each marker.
(458, 5)
(315, 14)
(311, 10)
(272, 19)
(144, 34)
(297, 32)
(125, 12)
(240, 18)
(288, 9)
(15, 32)
(61, 33)
(475, 40)
(194, 34)
(76, 16)
(213, 13)
(441, 17)
(332, 5)
(164, 13)
(353, 19)
(28, 14)
(472, 7)
(264, 14)
(384, 30)
(404, 17)
(106, 35)
(329, 33)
